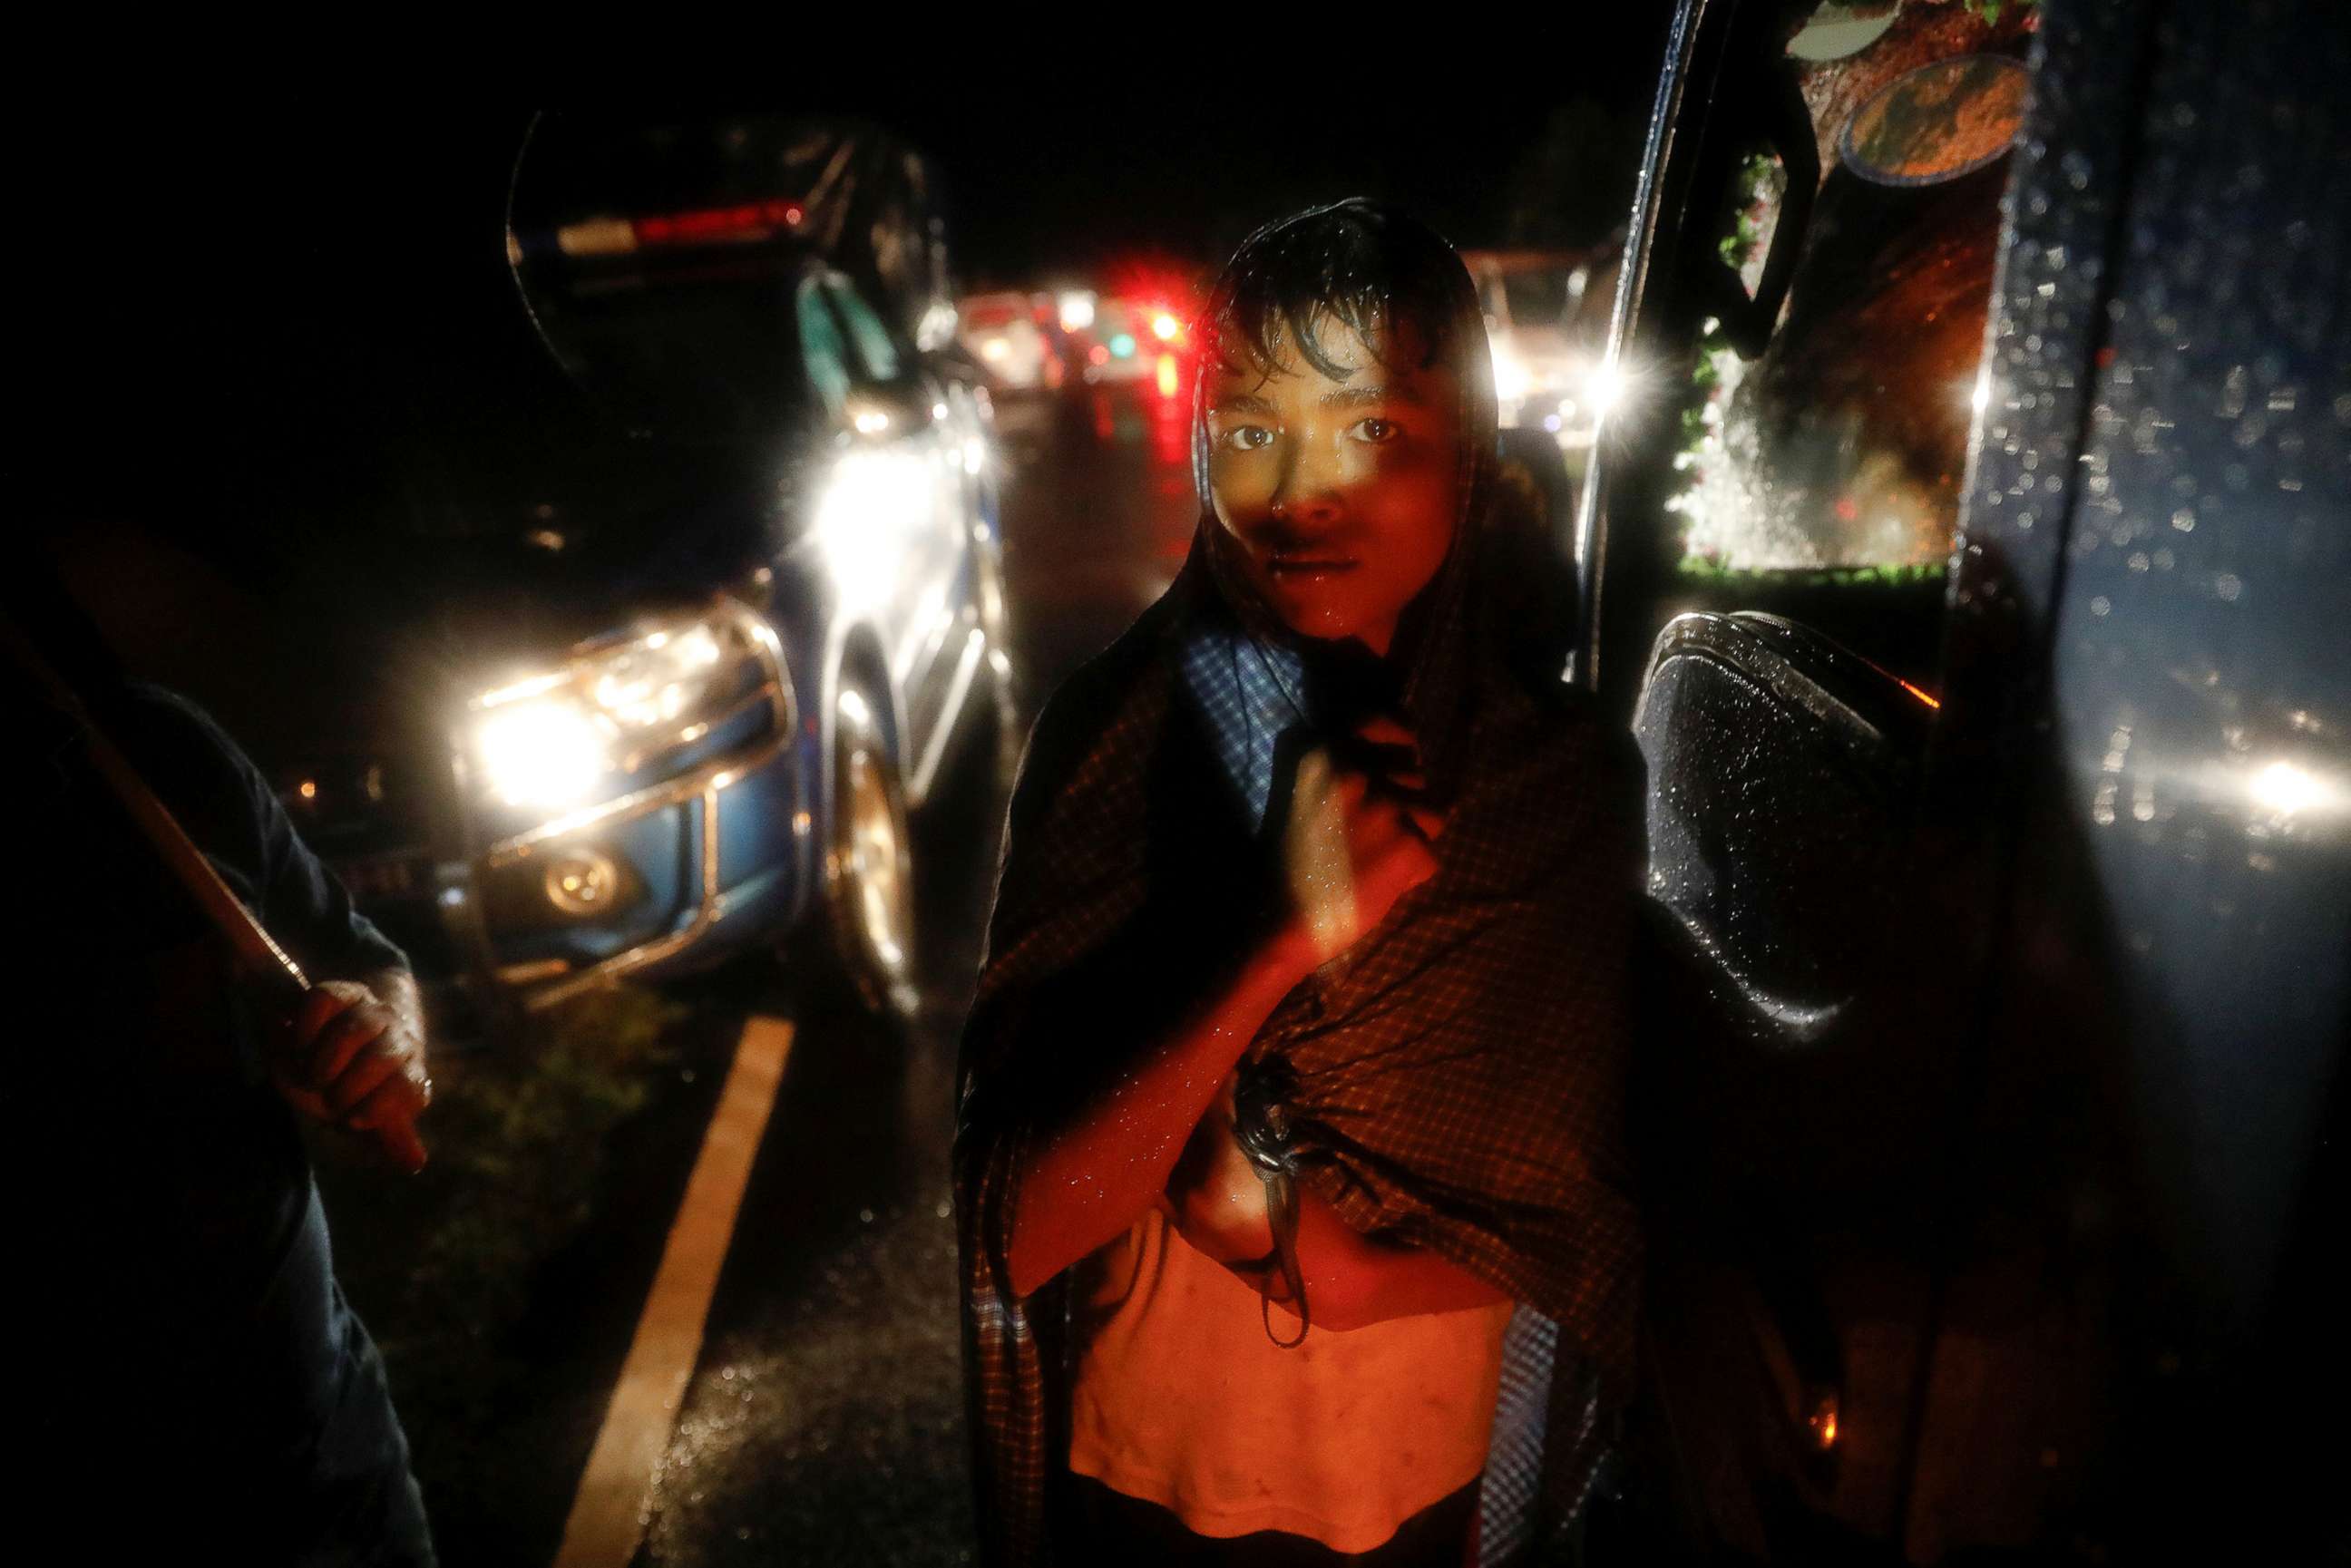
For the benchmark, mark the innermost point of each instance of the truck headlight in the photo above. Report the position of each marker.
(541, 751)
(551, 740)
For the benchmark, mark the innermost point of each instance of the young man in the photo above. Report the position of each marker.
(1290, 1130)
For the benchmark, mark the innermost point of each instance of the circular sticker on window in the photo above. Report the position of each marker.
(1937, 122)
(1840, 27)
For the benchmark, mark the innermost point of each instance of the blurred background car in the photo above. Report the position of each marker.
(1130, 339)
(1002, 332)
(704, 621)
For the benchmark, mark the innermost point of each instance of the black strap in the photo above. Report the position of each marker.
(1261, 1127)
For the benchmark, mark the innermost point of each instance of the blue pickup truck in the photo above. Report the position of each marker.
(672, 667)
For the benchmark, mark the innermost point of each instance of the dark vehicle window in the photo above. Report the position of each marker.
(709, 357)
(1842, 446)
(877, 356)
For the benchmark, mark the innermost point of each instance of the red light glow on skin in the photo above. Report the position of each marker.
(1341, 492)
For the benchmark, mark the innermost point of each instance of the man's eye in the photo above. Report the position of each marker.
(1376, 430)
(1248, 437)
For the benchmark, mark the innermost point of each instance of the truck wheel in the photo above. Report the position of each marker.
(869, 861)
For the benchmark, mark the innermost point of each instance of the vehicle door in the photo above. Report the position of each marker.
(909, 489)
(1896, 557)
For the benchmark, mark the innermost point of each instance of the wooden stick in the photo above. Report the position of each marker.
(268, 967)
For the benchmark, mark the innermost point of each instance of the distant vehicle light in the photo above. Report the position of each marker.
(1077, 309)
(1124, 345)
(1510, 378)
(1164, 327)
(871, 422)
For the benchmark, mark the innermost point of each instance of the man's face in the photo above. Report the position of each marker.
(1341, 492)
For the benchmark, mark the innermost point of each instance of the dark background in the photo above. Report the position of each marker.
(238, 315)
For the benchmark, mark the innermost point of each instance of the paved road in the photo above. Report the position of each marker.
(824, 1423)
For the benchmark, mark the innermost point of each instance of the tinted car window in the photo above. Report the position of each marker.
(703, 358)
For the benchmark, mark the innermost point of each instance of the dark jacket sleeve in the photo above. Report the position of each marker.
(229, 810)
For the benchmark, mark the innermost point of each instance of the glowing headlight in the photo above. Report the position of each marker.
(542, 751)
(549, 741)
(657, 679)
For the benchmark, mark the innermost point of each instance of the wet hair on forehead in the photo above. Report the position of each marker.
(1354, 263)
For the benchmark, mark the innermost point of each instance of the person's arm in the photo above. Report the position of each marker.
(1087, 1174)
(1084, 1182)
(354, 1054)
(355, 1059)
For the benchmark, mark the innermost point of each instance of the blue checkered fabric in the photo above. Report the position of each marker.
(1248, 692)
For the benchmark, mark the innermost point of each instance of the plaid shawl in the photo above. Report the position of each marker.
(1458, 1073)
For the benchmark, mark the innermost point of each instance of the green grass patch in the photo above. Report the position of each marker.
(439, 1267)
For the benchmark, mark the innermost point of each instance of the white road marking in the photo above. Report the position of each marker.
(608, 1512)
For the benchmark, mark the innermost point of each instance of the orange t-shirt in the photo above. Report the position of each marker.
(1183, 1400)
